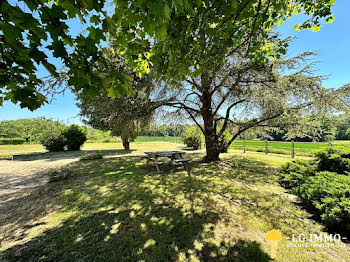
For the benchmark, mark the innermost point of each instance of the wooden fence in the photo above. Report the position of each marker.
(270, 144)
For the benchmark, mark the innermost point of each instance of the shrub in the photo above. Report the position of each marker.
(223, 141)
(193, 137)
(75, 136)
(294, 173)
(328, 193)
(6, 157)
(323, 185)
(334, 159)
(91, 156)
(54, 141)
(12, 141)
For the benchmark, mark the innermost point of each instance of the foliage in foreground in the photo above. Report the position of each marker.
(160, 28)
(323, 185)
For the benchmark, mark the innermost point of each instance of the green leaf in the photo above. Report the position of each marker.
(50, 67)
(167, 11)
(162, 32)
(178, 5)
(58, 49)
(115, 92)
(330, 19)
(315, 28)
(95, 19)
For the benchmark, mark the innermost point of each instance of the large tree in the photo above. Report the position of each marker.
(241, 95)
(177, 34)
(125, 116)
(184, 41)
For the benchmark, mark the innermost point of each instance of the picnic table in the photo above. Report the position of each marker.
(174, 156)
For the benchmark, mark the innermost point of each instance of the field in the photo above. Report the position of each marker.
(173, 139)
(277, 147)
(117, 208)
(36, 150)
(301, 149)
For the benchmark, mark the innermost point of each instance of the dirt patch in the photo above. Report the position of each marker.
(17, 177)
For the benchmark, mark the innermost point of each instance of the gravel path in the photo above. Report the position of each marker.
(18, 176)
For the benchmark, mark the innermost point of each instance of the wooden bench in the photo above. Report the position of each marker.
(180, 160)
(175, 157)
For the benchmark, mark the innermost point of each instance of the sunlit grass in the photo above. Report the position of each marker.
(116, 209)
(136, 148)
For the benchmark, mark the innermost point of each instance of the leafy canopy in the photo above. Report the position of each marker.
(171, 34)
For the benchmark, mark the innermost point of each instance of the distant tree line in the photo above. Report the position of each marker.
(32, 130)
(167, 130)
(331, 128)
(328, 129)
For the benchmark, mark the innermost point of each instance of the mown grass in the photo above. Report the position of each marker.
(31, 151)
(285, 144)
(282, 151)
(117, 210)
(173, 139)
(301, 149)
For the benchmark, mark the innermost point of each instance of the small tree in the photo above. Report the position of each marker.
(193, 137)
(125, 116)
(75, 136)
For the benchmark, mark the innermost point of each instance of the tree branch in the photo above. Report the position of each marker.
(224, 126)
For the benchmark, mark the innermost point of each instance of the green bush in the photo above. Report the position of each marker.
(328, 193)
(12, 141)
(75, 136)
(334, 159)
(223, 141)
(294, 173)
(91, 156)
(54, 141)
(193, 137)
(323, 185)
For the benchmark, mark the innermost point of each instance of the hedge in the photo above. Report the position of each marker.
(323, 185)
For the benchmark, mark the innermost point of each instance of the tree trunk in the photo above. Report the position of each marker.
(211, 141)
(126, 142)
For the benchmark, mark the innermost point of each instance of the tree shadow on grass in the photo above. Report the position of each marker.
(108, 236)
(122, 213)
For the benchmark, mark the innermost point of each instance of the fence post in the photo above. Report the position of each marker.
(292, 147)
(243, 146)
(266, 148)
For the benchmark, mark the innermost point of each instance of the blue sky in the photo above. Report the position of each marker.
(332, 43)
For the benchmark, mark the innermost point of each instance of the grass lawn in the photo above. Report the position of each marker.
(31, 151)
(116, 209)
(301, 149)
